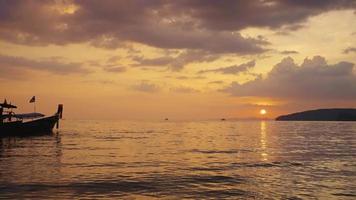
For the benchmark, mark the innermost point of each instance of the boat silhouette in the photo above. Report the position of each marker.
(29, 124)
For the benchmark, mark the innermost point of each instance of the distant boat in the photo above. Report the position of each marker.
(222, 119)
(12, 124)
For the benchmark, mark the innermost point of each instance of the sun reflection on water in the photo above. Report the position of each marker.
(264, 141)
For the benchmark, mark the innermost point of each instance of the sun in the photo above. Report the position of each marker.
(263, 112)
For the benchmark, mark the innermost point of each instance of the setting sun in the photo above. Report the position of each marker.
(263, 112)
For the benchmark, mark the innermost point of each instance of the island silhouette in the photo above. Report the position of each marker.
(329, 114)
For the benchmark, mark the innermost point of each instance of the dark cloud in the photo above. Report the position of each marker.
(216, 82)
(115, 69)
(175, 63)
(313, 79)
(213, 42)
(113, 59)
(288, 52)
(183, 77)
(153, 62)
(103, 82)
(183, 89)
(349, 50)
(111, 64)
(111, 24)
(146, 86)
(53, 65)
(239, 14)
(235, 69)
(197, 25)
(190, 77)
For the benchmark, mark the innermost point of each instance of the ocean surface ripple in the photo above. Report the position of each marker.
(89, 159)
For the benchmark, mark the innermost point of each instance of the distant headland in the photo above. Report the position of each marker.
(331, 114)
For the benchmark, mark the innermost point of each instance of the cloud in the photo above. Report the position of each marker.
(207, 25)
(216, 82)
(237, 15)
(103, 82)
(112, 24)
(183, 77)
(175, 63)
(113, 59)
(313, 79)
(53, 65)
(115, 69)
(235, 69)
(350, 50)
(213, 42)
(202, 31)
(146, 86)
(288, 52)
(153, 62)
(183, 89)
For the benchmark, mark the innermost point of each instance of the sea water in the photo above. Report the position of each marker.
(182, 160)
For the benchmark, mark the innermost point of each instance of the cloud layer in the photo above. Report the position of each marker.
(350, 50)
(146, 86)
(235, 69)
(207, 25)
(11, 65)
(313, 79)
(175, 63)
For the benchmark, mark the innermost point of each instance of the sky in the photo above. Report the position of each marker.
(187, 59)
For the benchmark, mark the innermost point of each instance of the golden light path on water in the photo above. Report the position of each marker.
(264, 153)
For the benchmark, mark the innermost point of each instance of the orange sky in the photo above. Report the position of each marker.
(178, 59)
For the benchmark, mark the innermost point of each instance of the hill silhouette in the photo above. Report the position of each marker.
(331, 114)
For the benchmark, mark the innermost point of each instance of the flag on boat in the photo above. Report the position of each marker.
(33, 99)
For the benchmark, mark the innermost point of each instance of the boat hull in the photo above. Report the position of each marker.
(34, 127)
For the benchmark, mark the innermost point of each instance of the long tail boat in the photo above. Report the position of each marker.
(12, 124)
